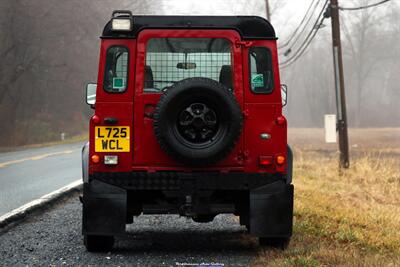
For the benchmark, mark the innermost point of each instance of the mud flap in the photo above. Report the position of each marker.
(104, 209)
(271, 210)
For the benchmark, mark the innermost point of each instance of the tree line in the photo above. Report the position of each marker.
(49, 51)
(371, 63)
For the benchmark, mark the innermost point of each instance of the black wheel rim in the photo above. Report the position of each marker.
(197, 124)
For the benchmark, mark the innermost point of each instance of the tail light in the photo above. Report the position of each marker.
(280, 160)
(95, 119)
(280, 120)
(265, 161)
(95, 159)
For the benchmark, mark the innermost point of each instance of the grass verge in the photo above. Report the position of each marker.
(348, 219)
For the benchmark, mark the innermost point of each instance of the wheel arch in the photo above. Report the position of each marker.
(85, 163)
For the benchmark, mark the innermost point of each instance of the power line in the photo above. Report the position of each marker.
(293, 34)
(363, 7)
(300, 51)
(293, 59)
(311, 35)
(303, 31)
(307, 41)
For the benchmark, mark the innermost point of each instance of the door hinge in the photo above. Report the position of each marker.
(246, 113)
(242, 156)
(239, 43)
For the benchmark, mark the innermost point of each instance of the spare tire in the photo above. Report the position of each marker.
(197, 121)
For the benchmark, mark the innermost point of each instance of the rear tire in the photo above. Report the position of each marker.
(98, 243)
(274, 242)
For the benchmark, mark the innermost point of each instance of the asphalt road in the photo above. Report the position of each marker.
(54, 238)
(29, 174)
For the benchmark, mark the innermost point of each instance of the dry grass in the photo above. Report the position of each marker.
(351, 219)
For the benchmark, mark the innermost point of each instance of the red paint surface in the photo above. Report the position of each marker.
(261, 111)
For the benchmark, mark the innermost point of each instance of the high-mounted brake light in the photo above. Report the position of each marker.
(122, 21)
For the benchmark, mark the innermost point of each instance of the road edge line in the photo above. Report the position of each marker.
(21, 212)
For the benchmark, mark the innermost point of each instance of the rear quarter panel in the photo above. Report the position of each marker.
(261, 111)
(114, 105)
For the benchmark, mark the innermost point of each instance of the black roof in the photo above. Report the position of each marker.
(249, 27)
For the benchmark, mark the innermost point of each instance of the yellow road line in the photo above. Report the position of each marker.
(7, 163)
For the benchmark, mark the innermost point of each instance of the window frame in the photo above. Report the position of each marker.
(271, 67)
(231, 53)
(127, 70)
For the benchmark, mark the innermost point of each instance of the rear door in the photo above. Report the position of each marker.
(158, 57)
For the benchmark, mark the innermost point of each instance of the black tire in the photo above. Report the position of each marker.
(274, 242)
(201, 138)
(98, 243)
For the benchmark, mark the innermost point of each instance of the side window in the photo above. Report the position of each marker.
(116, 72)
(261, 78)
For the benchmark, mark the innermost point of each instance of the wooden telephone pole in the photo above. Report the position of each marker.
(339, 86)
(268, 11)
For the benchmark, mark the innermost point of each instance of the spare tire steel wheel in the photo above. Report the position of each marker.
(197, 121)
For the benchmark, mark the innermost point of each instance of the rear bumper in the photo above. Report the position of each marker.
(178, 180)
(263, 201)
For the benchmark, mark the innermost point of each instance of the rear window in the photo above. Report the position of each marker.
(116, 72)
(170, 60)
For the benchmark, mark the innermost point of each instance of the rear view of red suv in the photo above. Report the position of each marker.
(188, 120)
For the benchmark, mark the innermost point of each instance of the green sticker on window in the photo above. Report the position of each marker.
(257, 80)
(118, 83)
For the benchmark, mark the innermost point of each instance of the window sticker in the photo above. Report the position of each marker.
(257, 80)
(118, 83)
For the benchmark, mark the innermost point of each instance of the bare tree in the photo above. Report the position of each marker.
(371, 70)
(368, 55)
(49, 50)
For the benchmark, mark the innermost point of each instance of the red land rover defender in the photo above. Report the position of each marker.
(188, 120)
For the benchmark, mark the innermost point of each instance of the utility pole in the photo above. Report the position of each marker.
(268, 11)
(341, 123)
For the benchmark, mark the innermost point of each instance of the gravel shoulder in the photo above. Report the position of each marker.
(54, 238)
